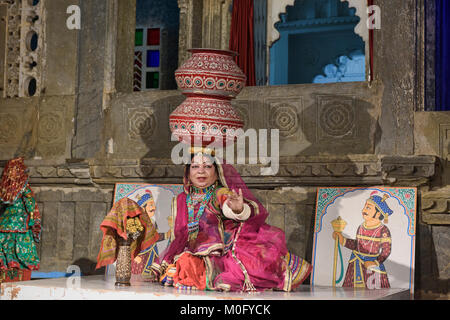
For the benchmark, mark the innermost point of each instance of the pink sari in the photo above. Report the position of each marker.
(238, 256)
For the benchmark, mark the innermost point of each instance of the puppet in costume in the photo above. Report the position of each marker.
(126, 221)
(20, 224)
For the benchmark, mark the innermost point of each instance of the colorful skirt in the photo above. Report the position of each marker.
(192, 272)
(14, 275)
(18, 251)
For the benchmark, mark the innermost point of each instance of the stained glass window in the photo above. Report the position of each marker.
(153, 36)
(152, 81)
(147, 59)
(137, 80)
(157, 27)
(153, 58)
(139, 37)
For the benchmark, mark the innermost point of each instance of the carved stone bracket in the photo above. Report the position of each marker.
(435, 206)
(45, 173)
(404, 168)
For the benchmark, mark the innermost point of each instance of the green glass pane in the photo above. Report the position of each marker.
(152, 80)
(139, 37)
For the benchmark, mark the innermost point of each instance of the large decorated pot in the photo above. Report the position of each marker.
(212, 72)
(209, 79)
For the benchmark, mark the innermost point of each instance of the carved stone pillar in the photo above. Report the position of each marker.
(216, 23)
(203, 24)
(21, 44)
(190, 27)
(119, 56)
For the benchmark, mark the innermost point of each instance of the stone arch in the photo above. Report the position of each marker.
(278, 7)
(361, 11)
(274, 9)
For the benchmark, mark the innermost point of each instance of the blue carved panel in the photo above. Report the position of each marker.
(315, 34)
(344, 69)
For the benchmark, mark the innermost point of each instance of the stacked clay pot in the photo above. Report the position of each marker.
(210, 79)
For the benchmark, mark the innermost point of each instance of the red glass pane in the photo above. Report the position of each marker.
(153, 37)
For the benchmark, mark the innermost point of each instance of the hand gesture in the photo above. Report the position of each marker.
(340, 236)
(235, 201)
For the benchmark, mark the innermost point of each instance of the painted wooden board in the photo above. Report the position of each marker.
(391, 242)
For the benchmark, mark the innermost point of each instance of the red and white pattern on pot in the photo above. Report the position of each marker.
(205, 119)
(212, 72)
(210, 78)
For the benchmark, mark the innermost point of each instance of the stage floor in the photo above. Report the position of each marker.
(103, 288)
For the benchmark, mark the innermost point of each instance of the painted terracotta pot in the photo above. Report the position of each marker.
(209, 80)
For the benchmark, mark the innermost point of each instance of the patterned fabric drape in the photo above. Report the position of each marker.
(114, 226)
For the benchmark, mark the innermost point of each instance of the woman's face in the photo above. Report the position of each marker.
(202, 173)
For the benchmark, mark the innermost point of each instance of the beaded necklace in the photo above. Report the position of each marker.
(197, 190)
(194, 221)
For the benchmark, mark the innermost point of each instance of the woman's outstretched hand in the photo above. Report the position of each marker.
(235, 201)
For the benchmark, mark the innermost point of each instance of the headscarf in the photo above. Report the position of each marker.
(14, 180)
(13, 185)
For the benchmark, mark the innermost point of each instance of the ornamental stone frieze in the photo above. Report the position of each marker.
(294, 171)
(402, 168)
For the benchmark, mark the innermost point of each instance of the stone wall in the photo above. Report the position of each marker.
(71, 217)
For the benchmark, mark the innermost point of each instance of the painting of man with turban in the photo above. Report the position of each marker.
(372, 245)
(364, 237)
